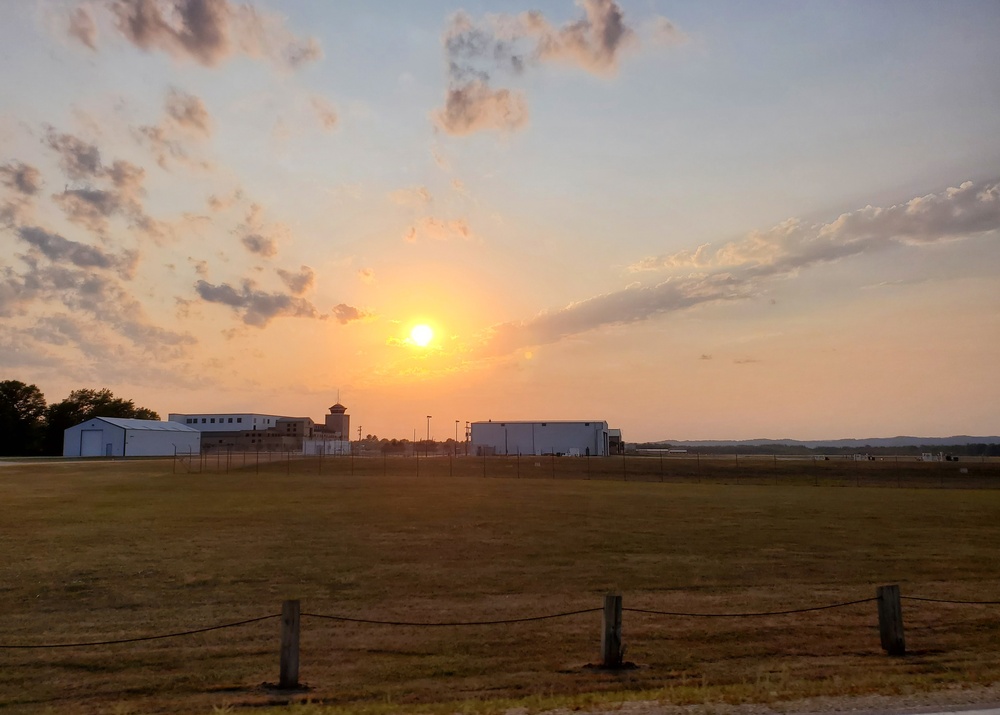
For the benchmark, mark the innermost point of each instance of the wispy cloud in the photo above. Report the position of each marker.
(256, 235)
(82, 278)
(94, 205)
(298, 282)
(325, 112)
(954, 213)
(59, 249)
(78, 159)
(23, 183)
(740, 269)
(82, 28)
(186, 122)
(204, 31)
(188, 112)
(477, 50)
(348, 314)
(434, 229)
(256, 307)
(416, 197)
(261, 245)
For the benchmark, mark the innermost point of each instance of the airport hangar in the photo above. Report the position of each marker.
(561, 437)
(120, 437)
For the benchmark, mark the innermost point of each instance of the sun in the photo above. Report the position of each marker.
(421, 335)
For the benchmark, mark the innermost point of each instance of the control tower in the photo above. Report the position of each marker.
(338, 422)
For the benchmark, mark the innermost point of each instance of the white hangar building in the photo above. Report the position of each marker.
(576, 439)
(117, 437)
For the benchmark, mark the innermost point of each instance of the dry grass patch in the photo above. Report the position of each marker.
(111, 550)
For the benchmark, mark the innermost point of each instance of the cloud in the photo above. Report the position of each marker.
(200, 266)
(476, 50)
(437, 230)
(664, 32)
(82, 27)
(185, 119)
(78, 159)
(188, 112)
(221, 203)
(92, 207)
(256, 307)
(594, 42)
(632, 304)
(348, 314)
(325, 112)
(14, 293)
(58, 249)
(261, 245)
(299, 282)
(256, 235)
(208, 31)
(23, 179)
(79, 278)
(416, 197)
(367, 275)
(789, 246)
(739, 269)
(475, 106)
(23, 183)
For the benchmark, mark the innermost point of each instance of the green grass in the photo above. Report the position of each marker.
(104, 550)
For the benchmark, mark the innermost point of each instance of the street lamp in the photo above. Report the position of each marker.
(428, 428)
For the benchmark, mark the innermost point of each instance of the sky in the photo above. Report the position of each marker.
(718, 220)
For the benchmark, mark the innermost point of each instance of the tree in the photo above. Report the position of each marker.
(82, 405)
(22, 418)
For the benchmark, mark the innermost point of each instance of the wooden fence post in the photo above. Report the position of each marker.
(289, 676)
(611, 632)
(890, 620)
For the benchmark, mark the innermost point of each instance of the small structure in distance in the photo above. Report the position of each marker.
(120, 437)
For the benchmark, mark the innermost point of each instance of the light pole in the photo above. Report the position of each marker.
(456, 438)
(427, 444)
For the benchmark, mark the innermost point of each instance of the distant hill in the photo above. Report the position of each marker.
(883, 442)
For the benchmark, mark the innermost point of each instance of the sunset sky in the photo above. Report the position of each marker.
(720, 220)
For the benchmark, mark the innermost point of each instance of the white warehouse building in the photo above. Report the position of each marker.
(118, 437)
(571, 438)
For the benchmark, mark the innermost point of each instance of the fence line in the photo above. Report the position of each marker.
(612, 647)
(505, 621)
(837, 470)
(453, 623)
(7, 646)
(750, 615)
(944, 600)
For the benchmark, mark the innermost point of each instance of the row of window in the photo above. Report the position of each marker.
(545, 424)
(222, 420)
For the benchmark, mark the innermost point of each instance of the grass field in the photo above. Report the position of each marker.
(106, 550)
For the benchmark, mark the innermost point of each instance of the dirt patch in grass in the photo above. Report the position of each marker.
(100, 551)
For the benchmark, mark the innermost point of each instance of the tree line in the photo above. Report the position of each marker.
(29, 426)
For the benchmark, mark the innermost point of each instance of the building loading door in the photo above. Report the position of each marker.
(91, 442)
